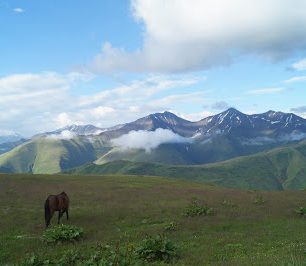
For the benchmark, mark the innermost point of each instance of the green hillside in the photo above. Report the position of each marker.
(278, 169)
(210, 151)
(43, 155)
(247, 227)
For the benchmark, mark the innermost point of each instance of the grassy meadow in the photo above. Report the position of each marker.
(248, 227)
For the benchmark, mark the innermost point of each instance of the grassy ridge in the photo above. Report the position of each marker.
(112, 209)
(48, 156)
(281, 168)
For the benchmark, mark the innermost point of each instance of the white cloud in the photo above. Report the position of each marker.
(148, 140)
(265, 91)
(18, 10)
(184, 98)
(138, 90)
(29, 101)
(32, 103)
(182, 35)
(66, 135)
(300, 65)
(296, 79)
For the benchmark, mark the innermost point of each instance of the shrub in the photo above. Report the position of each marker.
(195, 209)
(301, 210)
(157, 248)
(62, 233)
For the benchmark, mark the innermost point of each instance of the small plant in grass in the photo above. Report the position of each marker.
(62, 233)
(34, 260)
(172, 226)
(157, 248)
(301, 210)
(228, 203)
(259, 200)
(195, 209)
(108, 255)
(71, 257)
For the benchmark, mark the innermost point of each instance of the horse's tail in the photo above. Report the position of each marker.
(47, 212)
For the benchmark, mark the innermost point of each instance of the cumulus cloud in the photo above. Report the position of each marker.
(266, 91)
(181, 35)
(148, 140)
(29, 101)
(33, 103)
(65, 135)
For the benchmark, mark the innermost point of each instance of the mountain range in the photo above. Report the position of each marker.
(161, 139)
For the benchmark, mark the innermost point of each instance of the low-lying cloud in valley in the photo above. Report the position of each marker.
(148, 140)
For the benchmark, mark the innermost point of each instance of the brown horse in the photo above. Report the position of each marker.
(55, 203)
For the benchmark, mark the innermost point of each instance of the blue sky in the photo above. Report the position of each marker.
(108, 62)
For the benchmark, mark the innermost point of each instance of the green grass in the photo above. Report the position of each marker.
(124, 210)
(278, 169)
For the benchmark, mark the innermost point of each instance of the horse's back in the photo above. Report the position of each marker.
(64, 200)
(58, 202)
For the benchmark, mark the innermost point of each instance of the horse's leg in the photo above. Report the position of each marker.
(67, 215)
(51, 214)
(60, 213)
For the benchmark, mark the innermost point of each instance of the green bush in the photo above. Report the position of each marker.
(301, 210)
(62, 233)
(157, 248)
(195, 209)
